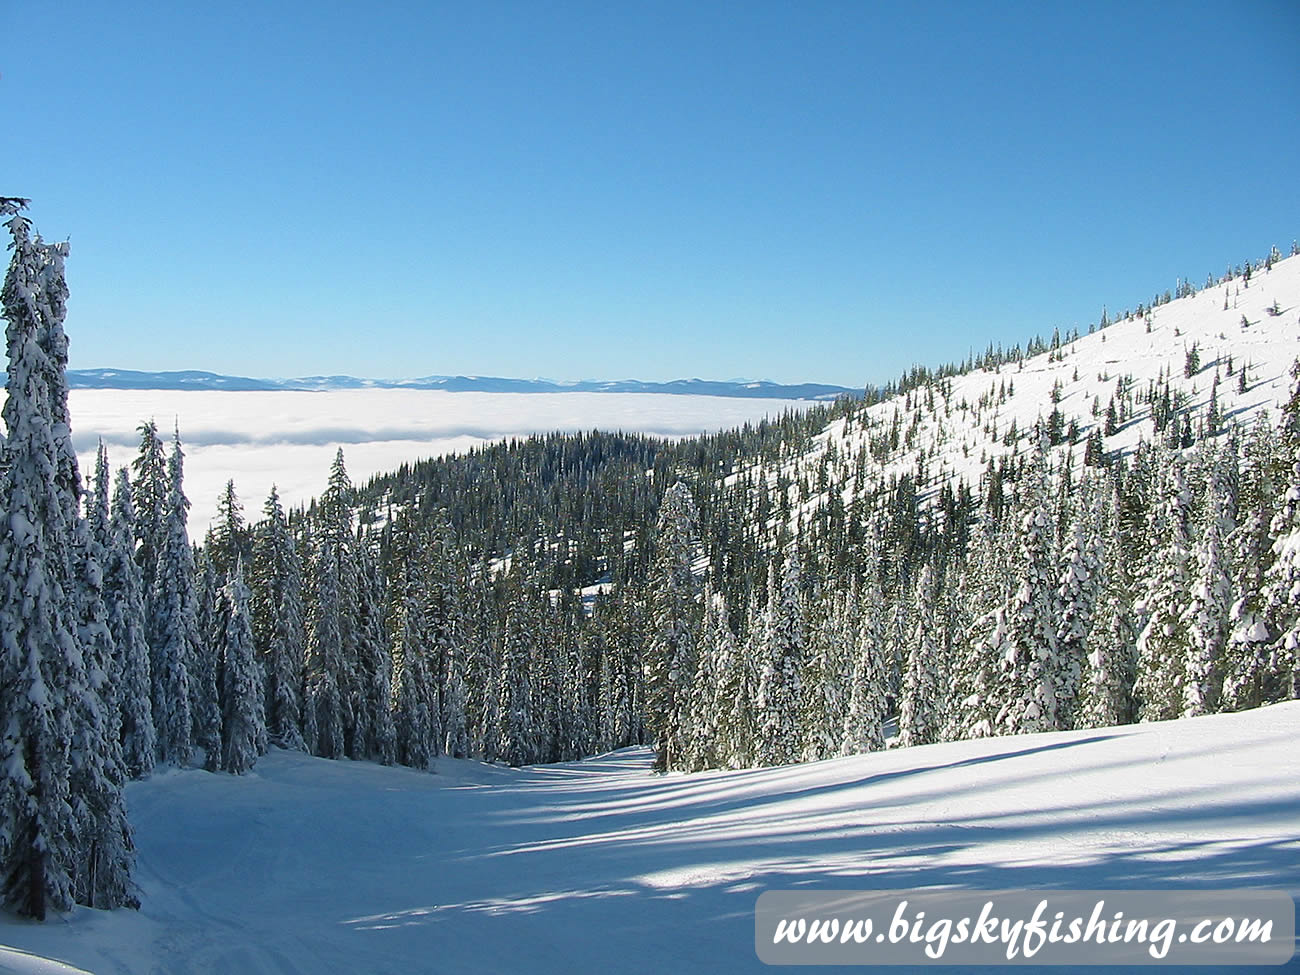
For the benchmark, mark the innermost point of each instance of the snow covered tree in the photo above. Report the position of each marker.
(1077, 597)
(920, 716)
(1248, 678)
(1107, 691)
(412, 699)
(780, 686)
(1030, 664)
(675, 606)
(1162, 643)
(278, 630)
(864, 721)
(707, 728)
(174, 631)
(517, 721)
(1282, 589)
(377, 735)
(827, 678)
(243, 724)
(1211, 597)
(124, 606)
(150, 504)
(63, 830)
(206, 682)
(332, 657)
(38, 831)
(324, 704)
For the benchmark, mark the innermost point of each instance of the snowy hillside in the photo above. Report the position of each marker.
(308, 865)
(953, 428)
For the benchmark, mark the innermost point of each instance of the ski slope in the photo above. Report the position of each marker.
(309, 865)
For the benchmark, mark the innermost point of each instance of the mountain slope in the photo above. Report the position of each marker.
(950, 430)
(308, 865)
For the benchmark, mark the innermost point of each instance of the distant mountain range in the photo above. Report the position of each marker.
(193, 379)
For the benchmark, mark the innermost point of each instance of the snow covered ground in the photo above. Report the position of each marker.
(957, 439)
(289, 438)
(313, 866)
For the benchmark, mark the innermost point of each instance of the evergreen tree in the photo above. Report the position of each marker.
(1282, 589)
(1211, 598)
(278, 630)
(864, 722)
(1248, 679)
(1107, 694)
(243, 726)
(671, 662)
(1162, 643)
(517, 722)
(1077, 597)
(920, 716)
(375, 669)
(780, 687)
(1031, 669)
(324, 702)
(150, 503)
(174, 631)
(63, 832)
(124, 606)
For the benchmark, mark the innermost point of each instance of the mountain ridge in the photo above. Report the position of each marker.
(203, 380)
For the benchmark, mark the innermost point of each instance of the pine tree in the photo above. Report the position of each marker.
(517, 722)
(920, 715)
(1077, 597)
(206, 666)
(827, 677)
(150, 503)
(124, 605)
(1211, 598)
(1031, 670)
(707, 727)
(1248, 679)
(333, 644)
(63, 830)
(324, 704)
(780, 685)
(1162, 643)
(864, 722)
(412, 703)
(278, 630)
(38, 838)
(1107, 692)
(675, 606)
(375, 668)
(174, 628)
(1282, 589)
(243, 725)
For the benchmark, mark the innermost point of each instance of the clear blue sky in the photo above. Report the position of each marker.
(795, 191)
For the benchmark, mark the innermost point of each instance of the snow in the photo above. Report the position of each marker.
(958, 445)
(307, 865)
(289, 437)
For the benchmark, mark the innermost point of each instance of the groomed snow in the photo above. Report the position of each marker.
(308, 865)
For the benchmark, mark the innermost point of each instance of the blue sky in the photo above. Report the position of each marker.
(794, 191)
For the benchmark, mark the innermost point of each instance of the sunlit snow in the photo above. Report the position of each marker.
(309, 865)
